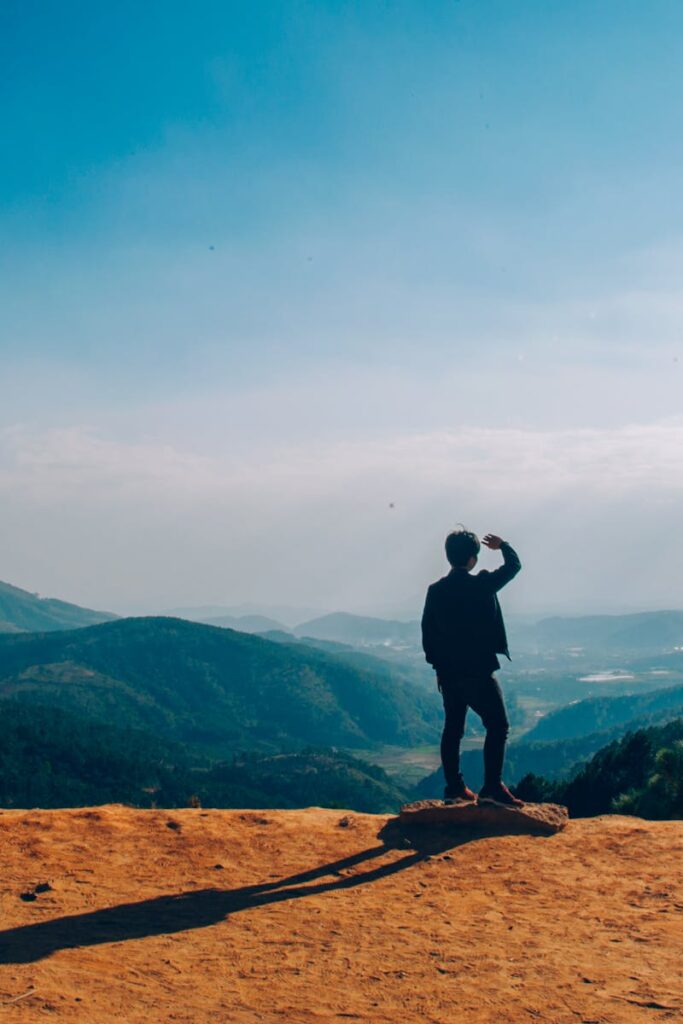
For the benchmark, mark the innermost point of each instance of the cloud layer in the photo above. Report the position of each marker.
(354, 524)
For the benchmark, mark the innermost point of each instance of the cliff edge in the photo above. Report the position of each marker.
(329, 916)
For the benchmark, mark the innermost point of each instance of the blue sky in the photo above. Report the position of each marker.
(268, 268)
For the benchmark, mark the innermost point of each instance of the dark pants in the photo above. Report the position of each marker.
(483, 695)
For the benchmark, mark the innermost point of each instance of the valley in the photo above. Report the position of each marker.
(219, 710)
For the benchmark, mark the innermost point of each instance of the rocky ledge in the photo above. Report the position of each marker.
(530, 819)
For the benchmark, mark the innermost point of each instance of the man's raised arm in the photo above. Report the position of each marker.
(511, 563)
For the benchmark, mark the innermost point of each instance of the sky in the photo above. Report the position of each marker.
(289, 290)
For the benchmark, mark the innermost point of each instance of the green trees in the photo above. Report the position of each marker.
(50, 757)
(662, 794)
(642, 774)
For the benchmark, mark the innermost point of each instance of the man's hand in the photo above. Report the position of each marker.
(491, 541)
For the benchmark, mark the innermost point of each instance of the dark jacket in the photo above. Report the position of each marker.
(462, 624)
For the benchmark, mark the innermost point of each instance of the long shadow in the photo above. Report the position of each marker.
(201, 908)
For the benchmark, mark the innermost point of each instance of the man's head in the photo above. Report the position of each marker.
(462, 549)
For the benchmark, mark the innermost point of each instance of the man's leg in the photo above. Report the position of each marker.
(455, 709)
(485, 697)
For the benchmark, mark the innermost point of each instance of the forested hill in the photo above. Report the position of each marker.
(599, 714)
(21, 611)
(54, 758)
(215, 688)
(569, 736)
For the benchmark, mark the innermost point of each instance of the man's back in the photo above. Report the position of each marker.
(462, 624)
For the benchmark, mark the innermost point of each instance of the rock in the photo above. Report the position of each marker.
(532, 819)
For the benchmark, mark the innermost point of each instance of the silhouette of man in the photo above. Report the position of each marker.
(462, 634)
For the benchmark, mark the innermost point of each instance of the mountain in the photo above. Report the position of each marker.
(277, 612)
(21, 611)
(551, 759)
(641, 773)
(359, 630)
(587, 727)
(597, 714)
(281, 636)
(412, 671)
(640, 631)
(322, 778)
(53, 758)
(663, 663)
(604, 634)
(217, 689)
(245, 623)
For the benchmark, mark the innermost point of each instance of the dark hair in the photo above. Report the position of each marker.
(461, 545)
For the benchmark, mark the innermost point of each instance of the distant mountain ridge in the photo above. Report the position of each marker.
(343, 627)
(281, 613)
(607, 633)
(246, 623)
(638, 631)
(22, 611)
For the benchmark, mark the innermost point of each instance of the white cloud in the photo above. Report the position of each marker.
(76, 460)
(118, 524)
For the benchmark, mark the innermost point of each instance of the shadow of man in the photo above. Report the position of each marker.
(201, 908)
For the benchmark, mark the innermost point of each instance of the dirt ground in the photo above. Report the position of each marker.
(321, 916)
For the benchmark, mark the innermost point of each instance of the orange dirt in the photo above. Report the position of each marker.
(313, 918)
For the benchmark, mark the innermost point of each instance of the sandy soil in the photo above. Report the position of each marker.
(309, 916)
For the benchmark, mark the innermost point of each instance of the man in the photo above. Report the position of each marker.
(462, 634)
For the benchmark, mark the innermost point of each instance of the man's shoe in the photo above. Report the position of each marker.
(461, 793)
(499, 794)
